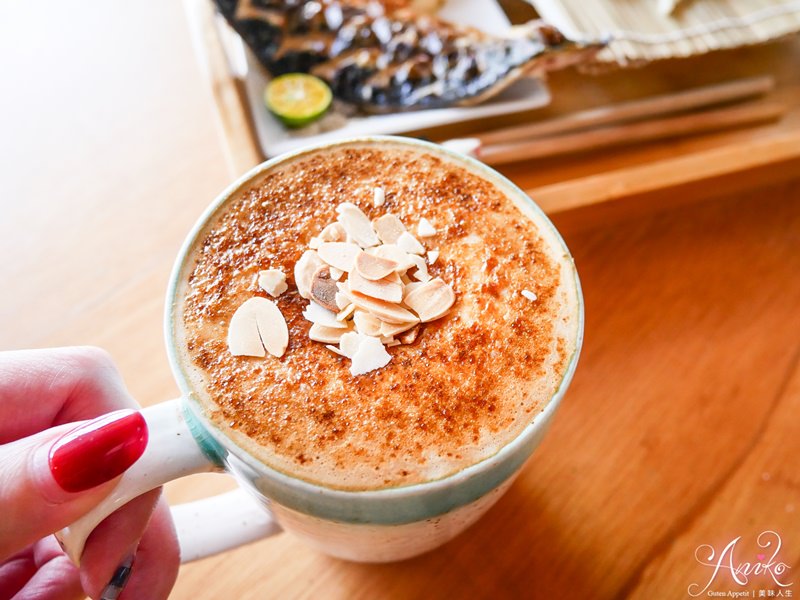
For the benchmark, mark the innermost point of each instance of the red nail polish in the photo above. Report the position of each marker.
(98, 451)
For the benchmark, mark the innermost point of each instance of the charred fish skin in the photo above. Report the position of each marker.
(393, 62)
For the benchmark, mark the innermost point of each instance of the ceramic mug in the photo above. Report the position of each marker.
(369, 526)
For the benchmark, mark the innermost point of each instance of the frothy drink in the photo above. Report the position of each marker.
(470, 381)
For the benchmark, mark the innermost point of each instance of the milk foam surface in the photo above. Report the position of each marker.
(471, 382)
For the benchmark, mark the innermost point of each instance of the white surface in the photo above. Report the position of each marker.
(275, 139)
(219, 523)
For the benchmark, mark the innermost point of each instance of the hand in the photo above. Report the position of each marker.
(50, 401)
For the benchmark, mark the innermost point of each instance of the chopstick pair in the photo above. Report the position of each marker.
(627, 123)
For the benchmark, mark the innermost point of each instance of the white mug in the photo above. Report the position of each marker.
(368, 526)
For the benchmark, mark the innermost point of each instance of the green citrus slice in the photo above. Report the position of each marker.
(297, 99)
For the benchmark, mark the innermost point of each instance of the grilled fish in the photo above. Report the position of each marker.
(398, 61)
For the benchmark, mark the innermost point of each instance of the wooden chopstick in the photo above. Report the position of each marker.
(635, 109)
(655, 129)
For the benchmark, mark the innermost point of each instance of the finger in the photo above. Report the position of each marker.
(15, 573)
(155, 567)
(54, 576)
(53, 478)
(41, 388)
(116, 538)
(155, 563)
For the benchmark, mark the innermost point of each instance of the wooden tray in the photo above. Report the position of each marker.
(583, 189)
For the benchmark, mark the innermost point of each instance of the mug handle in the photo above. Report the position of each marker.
(204, 527)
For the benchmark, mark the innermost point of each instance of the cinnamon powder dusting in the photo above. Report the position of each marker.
(468, 384)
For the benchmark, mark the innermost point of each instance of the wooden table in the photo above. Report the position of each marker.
(681, 427)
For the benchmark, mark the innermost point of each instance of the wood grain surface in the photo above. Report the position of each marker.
(681, 427)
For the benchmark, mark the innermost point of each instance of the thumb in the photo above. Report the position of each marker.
(51, 479)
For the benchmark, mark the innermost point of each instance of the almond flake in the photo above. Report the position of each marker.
(393, 252)
(334, 349)
(256, 325)
(410, 244)
(385, 311)
(357, 225)
(529, 295)
(371, 355)
(336, 274)
(343, 314)
(410, 336)
(341, 300)
(381, 289)
(272, 281)
(323, 289)
(425, 228)
(340, 255)
(374, 267)
(431, 300)
(391, 329)
(333, 233)
(378, 196)
(421, 272)
(326, 335)
(304, 270)
(366, 323)
(410, 287)
(433, 256)
(349, 343)
(389, 228)
(322, 316)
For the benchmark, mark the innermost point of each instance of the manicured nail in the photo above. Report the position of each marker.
(98, 451)
(118, 581)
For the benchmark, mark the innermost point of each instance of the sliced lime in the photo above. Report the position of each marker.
(297, 99)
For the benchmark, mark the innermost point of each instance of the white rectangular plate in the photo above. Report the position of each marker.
(275, 139)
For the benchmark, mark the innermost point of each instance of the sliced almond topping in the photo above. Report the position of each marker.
(385, 311)
(390, 329)
(336, 274)
(332, 233)
(381, 289)
(326, 335)
(431, 300)
(366, 323)
(374, 267)
(334, 349)
(323, 289)
(425, 228)
(529, 295)
(393, 252)
(389, 228)
(421, 272)
(341, 255)
(343, 314)
(369, 356)
(410, 336)
(410, 287)
(387, 340)
(378, 196)
(304, 270)
(322, 316)
(410, 244)
(314, 243)
(341, 300)
(258, 324)
(349, 343)
(272, 281)
(357, 225)
(433, 256)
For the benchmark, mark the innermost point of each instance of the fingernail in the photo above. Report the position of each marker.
(98, 451)
(118, 581)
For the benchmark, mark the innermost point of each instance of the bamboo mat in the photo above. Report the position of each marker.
(640, 32)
